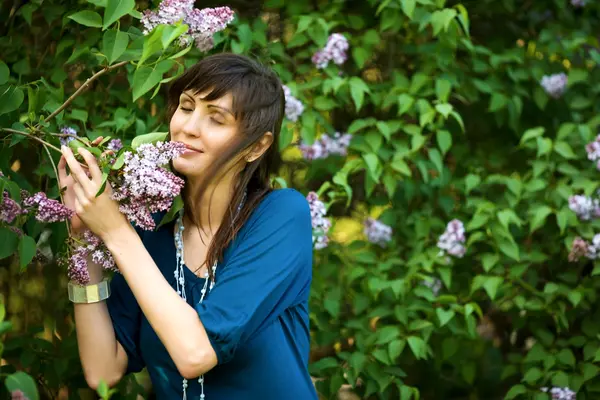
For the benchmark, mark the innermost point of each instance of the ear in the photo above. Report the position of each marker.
(260, 147)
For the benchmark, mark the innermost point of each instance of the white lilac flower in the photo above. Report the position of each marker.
(585, 207)
(453, 239)
(320, 224)
(203, 24)
(293, 107)
(555, 85)
(335, 50)
(67, 130)
(434, 284)
(593, 151)
(578, 3)
(115, 145)
(558, 393)
(377, 232)
(327, 145)
(579, 248)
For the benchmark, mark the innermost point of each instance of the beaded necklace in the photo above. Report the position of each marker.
(180, 281)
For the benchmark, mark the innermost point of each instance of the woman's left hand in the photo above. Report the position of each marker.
(100, 214)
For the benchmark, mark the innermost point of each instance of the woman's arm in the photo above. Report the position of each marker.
(175, 322)
(102, 356)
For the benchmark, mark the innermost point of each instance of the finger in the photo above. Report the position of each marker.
(77, 171)
(81, 199)
(90, 160)
(98, 140)
(62, 170)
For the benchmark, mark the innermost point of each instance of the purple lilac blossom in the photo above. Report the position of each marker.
(335, 50)
(48, 210)
(9, 209)
(593, 151)
(203, 24)
(327, 145)
(146, 187)
(585, 207)
(453, 239)
(67, 130)
(77, 266)
(377, 232)
(434, 284)
(18, 395)
(578, 3)
(320, 224)
(555, 85)
(579, 249)
(293, 107)
(115, 145)
(558, 393)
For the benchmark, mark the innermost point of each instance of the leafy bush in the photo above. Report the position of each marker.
(474, 116)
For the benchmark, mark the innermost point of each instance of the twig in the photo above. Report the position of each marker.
(29, 135)
(75, 137)
(62, 200)
(83, 87)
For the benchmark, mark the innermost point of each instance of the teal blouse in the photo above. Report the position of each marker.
(256, 316)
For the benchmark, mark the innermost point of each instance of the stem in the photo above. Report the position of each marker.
(29, 135)
(75, 137)
(60, 193)
(83, 87)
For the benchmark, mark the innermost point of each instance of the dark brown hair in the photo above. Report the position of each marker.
(258, 107)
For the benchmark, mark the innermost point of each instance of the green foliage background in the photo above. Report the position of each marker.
(449, 121)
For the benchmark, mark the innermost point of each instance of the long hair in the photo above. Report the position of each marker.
(258, 107)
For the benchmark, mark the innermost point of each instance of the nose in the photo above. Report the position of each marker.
(192, 126)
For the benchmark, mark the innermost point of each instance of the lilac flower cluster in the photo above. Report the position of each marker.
(435, 285)
(293, 107)
(77, 267)
(9, 209)
(145, 186)
(585, 207)
(115, 145)
(578, 3)
(593, 151)
(320, 224)
(377, 232)
(47, 210)
(18, 395)
(335, 50)
(67, 130)
(453, 239)
(560, 393)
(555, 85)
(327, 145)
(203, 24)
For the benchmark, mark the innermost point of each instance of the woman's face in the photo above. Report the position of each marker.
(205, 127)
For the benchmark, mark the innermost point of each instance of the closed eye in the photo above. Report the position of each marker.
(216, 121)
(186, 109)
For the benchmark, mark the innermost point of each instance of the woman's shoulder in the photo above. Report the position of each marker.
(283, 204)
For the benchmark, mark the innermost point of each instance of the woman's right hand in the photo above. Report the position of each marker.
(66, 183)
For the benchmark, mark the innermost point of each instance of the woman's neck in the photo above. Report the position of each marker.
(213, 205)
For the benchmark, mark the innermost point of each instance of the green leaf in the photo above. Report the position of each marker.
(27, 250)
(566, 357)
(491, 285)
(444, 315)
(115, 9)
(471, 182)
(358, 88)
(497, 102)
(444, 140)
(418, 347)
(395, 348)
(509, 248)
(532, 134)
(444, 108)
(532, 375)
(360, 55)
(387, 334)
(515, 391)
(114, 43)
(373, 165)
(151, 137)
(442, 89)
(23, 382)
(176, 206)
(398, 164)
(408, 7)
(441, 20)
(172, 32)
(436, 159)
(564, 149)
(4, 73)
(102, 389)
(11, 97)
(8, 242)
(87, 18)
(144, 79)
(539, 215)
(488, 260)
(152, 44)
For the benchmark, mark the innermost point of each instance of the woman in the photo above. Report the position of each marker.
(229, 318)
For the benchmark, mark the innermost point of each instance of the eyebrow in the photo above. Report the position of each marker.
(211, 105)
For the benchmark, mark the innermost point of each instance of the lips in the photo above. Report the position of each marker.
(191, 149)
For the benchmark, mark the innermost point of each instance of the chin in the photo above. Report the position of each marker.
(187, 168)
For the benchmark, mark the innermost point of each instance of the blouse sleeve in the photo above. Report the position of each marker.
(126, 315)
(268, 271)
